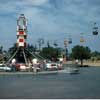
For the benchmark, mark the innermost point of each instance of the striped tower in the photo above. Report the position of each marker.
(21, 31)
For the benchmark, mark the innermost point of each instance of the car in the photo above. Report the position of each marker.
(20, 67)
(1, 64)
(5, 68)
(51, 66)
(60, 65)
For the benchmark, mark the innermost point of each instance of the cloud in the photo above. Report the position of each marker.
(37, 2)
(51, 19)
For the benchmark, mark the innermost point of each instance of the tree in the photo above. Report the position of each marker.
(48, 44)
(12, 49)
(50, 52)
(32, 48)
(55, 44)
(1, 49)
(95, 55)
(81, 53)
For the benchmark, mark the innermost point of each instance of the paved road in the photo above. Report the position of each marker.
(48, 86)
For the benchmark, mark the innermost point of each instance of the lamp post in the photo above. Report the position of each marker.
(65, 44)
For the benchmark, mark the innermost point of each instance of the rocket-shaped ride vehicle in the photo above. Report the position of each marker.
(21, 31)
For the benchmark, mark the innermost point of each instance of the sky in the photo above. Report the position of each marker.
(52, 20)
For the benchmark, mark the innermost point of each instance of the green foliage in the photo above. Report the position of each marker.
(81, 52)
(1, 49)
(50, 52)
(98, 57)
(12, 49)
(32, 48)
(95, 56)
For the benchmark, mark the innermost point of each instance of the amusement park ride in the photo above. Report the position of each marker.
(95, 29)
(94, 32)
(22, 54)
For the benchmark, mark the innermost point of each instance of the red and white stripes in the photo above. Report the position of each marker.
(21, 31)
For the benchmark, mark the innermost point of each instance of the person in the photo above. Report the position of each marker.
(61, 60)
(14, 65)
(76, 61)
(34, 61)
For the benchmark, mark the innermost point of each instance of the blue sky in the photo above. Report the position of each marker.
(53, 20)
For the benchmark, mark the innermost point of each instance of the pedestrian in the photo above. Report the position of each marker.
(14, 65)
(34, 61)
(76, 61)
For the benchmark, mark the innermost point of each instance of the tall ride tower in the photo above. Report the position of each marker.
(22, 54)
(21, 31)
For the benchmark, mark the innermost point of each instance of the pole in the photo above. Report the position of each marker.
(25, 57)
(65, 44)
(13, 55)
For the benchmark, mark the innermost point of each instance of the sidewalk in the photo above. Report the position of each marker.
(28, 73)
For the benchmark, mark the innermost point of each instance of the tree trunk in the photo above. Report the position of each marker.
(82, 62)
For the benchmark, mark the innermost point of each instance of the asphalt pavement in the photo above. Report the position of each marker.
(85, 85)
